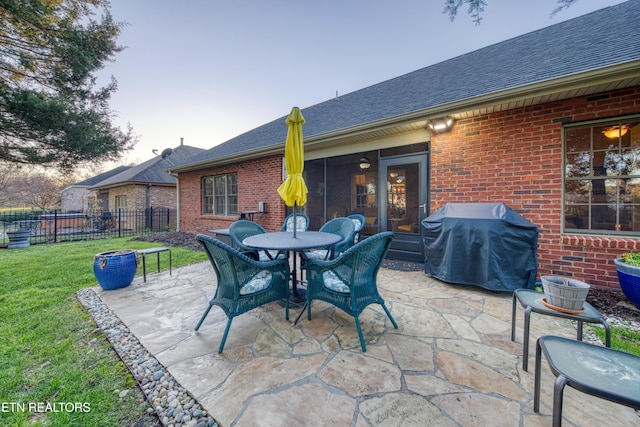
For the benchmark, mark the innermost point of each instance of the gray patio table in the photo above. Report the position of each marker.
(532, 302)
(592, 369)
(284, 241)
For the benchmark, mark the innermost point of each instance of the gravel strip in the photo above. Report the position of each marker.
(170, 401)
(588, 329)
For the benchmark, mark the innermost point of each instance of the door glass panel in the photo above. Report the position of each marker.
(403, 191)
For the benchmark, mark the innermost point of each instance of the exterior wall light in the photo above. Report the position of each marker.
(364, 163)
(441, 125)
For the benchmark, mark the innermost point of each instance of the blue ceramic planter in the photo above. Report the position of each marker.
(115, 269)
(629, 278)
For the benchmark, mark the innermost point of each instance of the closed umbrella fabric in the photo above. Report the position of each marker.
(294, 190)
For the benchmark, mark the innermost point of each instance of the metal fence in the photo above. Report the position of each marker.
(54, 226)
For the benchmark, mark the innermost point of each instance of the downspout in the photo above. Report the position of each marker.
(175, 175)
(147, 202)
(148, 215)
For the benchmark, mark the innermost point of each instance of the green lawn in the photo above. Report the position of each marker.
(622, 339)
(50, 351)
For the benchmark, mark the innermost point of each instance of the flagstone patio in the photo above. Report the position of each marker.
(450, 363)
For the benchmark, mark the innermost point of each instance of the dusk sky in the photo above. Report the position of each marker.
(208, 70)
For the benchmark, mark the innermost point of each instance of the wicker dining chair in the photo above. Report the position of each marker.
(302, 222)
(358, 223)
(302, 225)
(341, 226)
(240, 230)
(242, 282)
(349, 282)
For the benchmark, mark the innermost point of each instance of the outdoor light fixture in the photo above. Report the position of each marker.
(442, 124)
(364, 163)
(615, 131)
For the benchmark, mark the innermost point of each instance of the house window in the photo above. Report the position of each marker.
(121, 202)
(602, 178)
(363, 191)
(220, 194)
(121, 206)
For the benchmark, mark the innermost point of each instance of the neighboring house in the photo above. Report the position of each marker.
(78, 197)
(547, 122)
(145, 186)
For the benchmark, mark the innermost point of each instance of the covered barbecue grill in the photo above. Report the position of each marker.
(483, 244)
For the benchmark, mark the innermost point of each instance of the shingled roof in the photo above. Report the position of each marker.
(603, 44)
(153, 171)
(101, 177)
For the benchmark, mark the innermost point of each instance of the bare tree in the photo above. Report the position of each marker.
(38, 190)
(476, 7)
(8, 173)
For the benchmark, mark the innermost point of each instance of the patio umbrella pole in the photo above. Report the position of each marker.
(293, 189)
(295, 223)
(294, 285)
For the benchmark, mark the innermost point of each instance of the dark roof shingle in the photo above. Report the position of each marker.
(153, 171)
(101, 177)
(603, 38)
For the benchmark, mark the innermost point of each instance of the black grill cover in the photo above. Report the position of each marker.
(484, 244)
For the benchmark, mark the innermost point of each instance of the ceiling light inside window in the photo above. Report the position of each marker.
(616, 131)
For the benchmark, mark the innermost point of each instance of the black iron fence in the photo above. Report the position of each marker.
(54, 226)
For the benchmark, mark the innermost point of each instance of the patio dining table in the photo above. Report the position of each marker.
(284, 241)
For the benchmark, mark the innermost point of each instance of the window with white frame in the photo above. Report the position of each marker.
(220, 194)
(121, 206)
(602, 177)
(121, 202)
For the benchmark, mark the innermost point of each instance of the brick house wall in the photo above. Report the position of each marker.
(160, 196)
(515, 157)
(130, 191)
(258, 181)
(163, 197)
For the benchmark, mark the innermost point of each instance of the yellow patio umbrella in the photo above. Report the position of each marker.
(293, 190)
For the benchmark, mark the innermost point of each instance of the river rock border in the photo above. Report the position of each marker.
(171, 402)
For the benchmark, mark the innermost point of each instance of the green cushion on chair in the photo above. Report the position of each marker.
(259, 282)
(333, 282)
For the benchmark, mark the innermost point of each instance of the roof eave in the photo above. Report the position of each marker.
(125, 183)
(573, 82)
(237, 157)
(592, 78)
